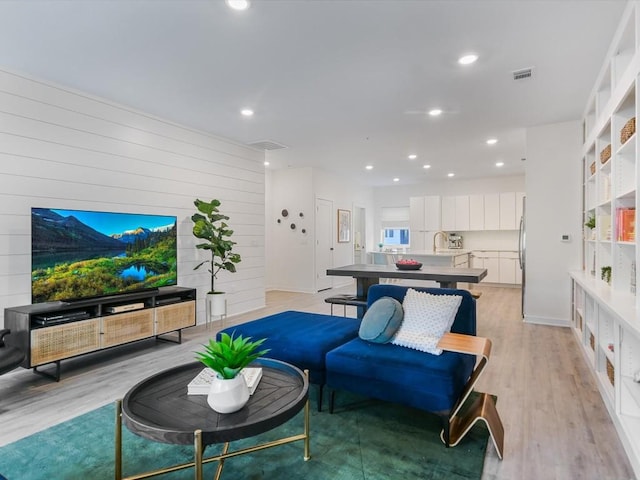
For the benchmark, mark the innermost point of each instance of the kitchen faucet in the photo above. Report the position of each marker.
(435, 236)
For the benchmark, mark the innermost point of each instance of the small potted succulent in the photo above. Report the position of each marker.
(227, 357)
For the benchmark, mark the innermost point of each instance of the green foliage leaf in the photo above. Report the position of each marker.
(229, 355)
(210, 225)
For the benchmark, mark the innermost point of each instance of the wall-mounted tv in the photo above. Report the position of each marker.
(78, 254)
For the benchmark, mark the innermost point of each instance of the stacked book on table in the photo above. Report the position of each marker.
(201, 384)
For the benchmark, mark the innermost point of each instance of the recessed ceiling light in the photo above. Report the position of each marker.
(468, 59)
(435, 112)
(238, 4)
(499, 164)
(450, 174)
(413, 156)
(247, 112)
(426, 166)
(396, 179)
(369, 167)
(266, 164)
(492, 141)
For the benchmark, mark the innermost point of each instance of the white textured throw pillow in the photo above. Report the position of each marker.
(427, 318)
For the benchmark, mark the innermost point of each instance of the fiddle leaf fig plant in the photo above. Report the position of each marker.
(210, 225)
(229, 355)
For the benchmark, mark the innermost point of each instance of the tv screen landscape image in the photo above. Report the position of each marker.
(77, 254)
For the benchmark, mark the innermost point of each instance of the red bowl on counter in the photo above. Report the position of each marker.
(408, 266)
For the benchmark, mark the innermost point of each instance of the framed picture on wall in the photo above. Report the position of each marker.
(344, 226)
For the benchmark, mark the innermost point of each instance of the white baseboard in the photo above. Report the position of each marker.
(288, 289)
(553, 322)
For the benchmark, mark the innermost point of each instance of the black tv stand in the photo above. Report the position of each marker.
(55, 331)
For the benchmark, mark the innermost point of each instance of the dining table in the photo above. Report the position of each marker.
(369, 274)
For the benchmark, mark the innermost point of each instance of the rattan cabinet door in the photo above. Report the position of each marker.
(127, 327)
(64, 341)
(175, 316)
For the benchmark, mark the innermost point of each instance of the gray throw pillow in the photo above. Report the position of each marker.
(381, 321)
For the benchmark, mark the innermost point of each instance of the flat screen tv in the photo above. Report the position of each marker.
(79, 254)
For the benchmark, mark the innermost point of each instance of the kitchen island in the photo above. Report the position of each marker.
(442, 257)
(367, 275)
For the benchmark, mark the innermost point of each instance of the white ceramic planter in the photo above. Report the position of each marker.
(228, 396)
(217, 304)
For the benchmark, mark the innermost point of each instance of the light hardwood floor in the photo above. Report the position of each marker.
(556, 425)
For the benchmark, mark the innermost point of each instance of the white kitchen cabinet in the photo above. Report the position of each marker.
(424, 218)
(507, 270)
(510, 271)
(424, 213)
(492, 211)
(432, 213)
(508, 211)
(502, 266)
(462, 213)
(489, 260)
(455, 213)
(492, 264)
(448, 214)
(476, 212)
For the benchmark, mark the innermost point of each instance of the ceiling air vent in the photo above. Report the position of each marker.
(266, 145)
(523, 74)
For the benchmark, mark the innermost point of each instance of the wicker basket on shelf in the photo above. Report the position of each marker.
(592, 341)
(610, 371)
(605, 154)
(628, 130)
(592, 168)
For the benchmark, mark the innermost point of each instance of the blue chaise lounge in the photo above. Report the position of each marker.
(301, 339)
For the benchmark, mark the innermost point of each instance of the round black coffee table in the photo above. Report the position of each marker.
(159, 409)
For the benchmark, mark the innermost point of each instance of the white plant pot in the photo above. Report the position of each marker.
(217, 304)
(228, 396)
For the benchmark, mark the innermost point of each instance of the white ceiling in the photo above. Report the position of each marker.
(341, 83)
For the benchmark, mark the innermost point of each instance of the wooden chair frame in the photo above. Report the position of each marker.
(483, 407)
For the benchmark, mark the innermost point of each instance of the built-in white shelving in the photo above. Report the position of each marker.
(605, 313)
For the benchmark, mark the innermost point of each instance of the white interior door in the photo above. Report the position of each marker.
(324, 243)
(359, 233)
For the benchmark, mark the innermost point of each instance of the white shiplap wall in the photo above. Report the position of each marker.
(65, 149)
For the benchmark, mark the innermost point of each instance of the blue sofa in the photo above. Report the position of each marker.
(329, 347)
(402, 375)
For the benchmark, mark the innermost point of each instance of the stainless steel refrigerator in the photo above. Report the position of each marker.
(522, 250)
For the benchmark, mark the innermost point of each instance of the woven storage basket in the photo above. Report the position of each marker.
(610, 372)
(605, 154)
(592, 341)
(592, 168)
(628, 130)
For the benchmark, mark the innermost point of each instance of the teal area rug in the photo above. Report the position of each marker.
(362, 440)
